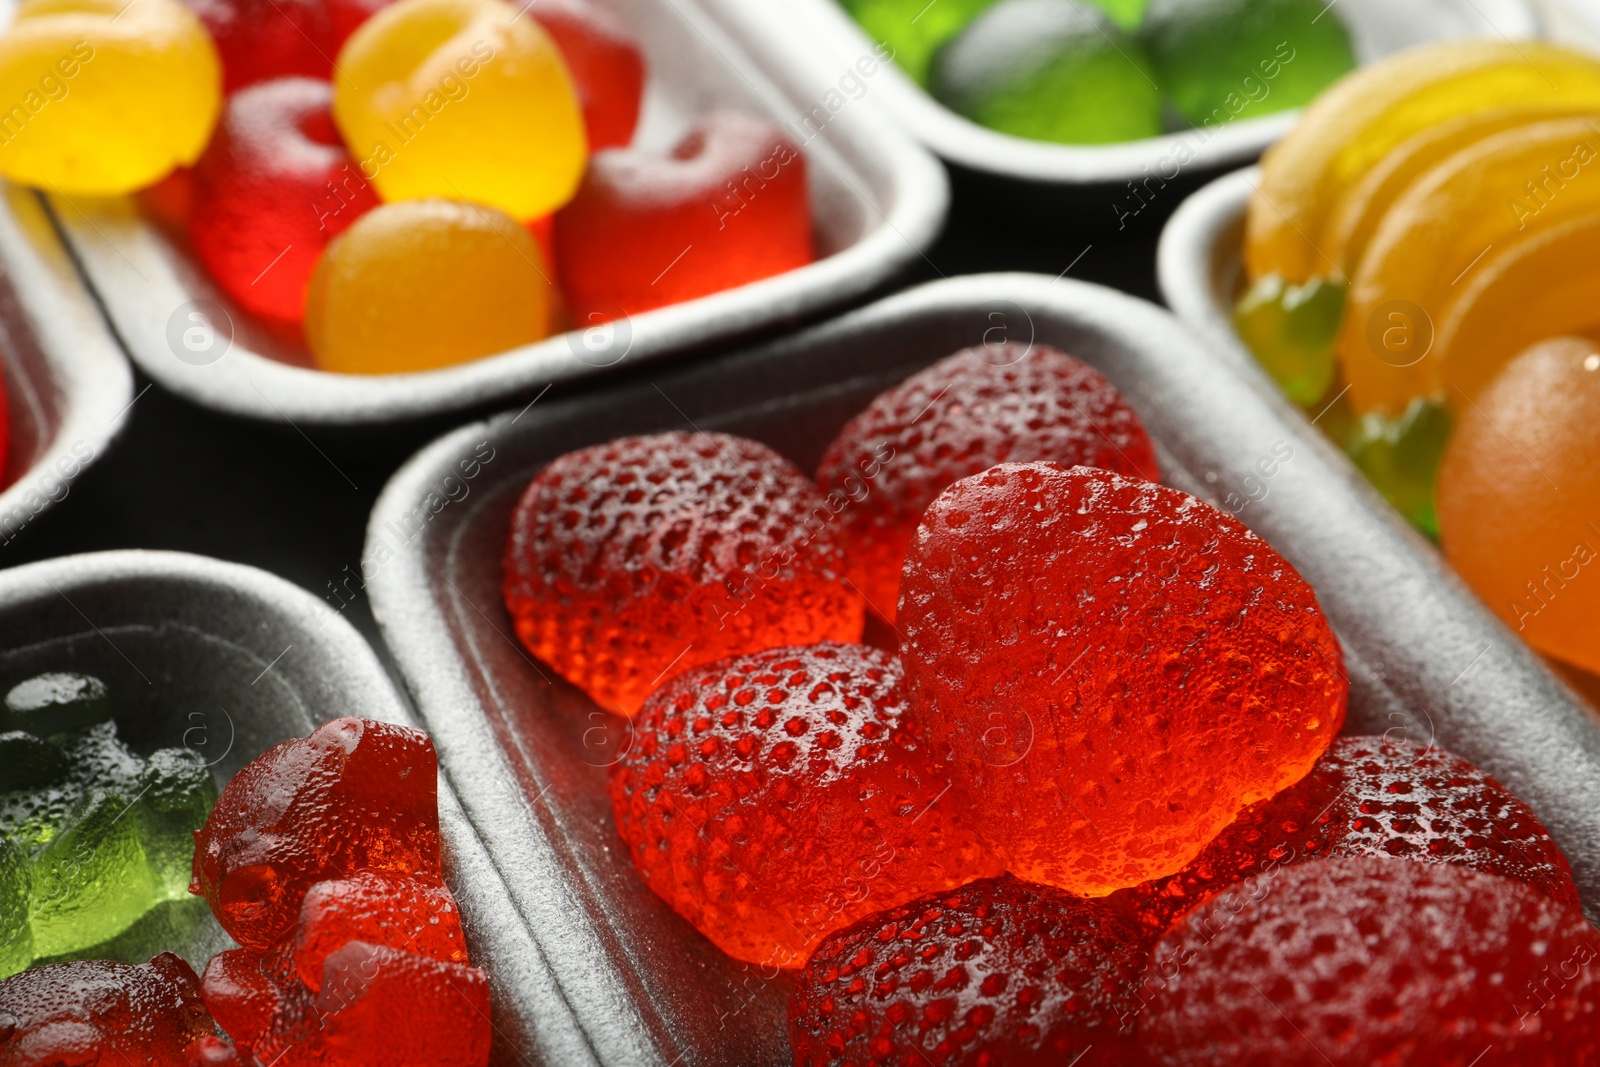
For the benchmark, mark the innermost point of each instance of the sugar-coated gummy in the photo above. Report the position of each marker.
(1370, 961)
(775, 797)
(1119, 667)
(259, 40)
(999, 971)
(606, 64)
(999, 403)
(635, 560)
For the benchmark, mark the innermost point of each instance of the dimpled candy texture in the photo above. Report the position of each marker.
(606, 64)
(1119, 668)
(274, 187)
(1369, 961)
(776, 797)
(100, 1012)
(1371, 796)
(984, 405)
(997, 972)
(729, 205)
(357, 794)
(415, 912)
(642, 558)
(264, 39)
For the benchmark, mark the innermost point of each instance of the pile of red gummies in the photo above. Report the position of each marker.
(1082, 800)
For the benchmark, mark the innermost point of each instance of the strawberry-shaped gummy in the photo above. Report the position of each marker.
(356, 795)
(997, 972)
(729, 205)
(606, 65)
(638, 559)
(1369, 961)
(989, 404)
(100, 1012)
(1119, 667)
(263, 39)
(274, 187)
(776, 797)
(1371, 796)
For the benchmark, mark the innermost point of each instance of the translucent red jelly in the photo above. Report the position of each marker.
(263, 39)
(606, 64)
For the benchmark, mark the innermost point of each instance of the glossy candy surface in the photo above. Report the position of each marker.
(910, 33)
(635, 560)
(414, 912)
(984, 405)
(605, 62)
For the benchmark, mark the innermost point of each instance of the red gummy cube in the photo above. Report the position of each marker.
(1370, 961)
(636, 560)
(101, 1012)
(356, 795)
(414, 912)
(606, 65)
(272, 189)
(263, 39)
(1001, 403)
(773, 798)
(1119, 668)
(997, 972)
(728, 206)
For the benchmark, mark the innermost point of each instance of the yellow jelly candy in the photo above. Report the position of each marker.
(424, 284)
(464, 100)
(102, 97)
(1365, 116)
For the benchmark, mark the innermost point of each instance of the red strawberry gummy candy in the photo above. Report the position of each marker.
(997, 972)
(356, 795)
(1119, 667)
(727, 207)
(262, 39)
(415, 912)
(638, 559)
(773, 798)
(1371, 796)
(1369, 961)
(273, 188)
(100, 1012)
(606, 65)
(985, 405)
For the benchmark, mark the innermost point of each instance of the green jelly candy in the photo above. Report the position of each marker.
(1292, 329)
(1401, 457)
(175, 798)
(91, 882)
(27, 761)
(1125, 13)
(1049, 70)
(55, 703)
(1218, 60)
(16, 936)
(914, 29)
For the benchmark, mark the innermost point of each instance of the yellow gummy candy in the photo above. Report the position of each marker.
(464, 100)
(424, 284)
(101, 97)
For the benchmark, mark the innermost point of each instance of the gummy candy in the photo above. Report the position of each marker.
(1370, 796)
(776, 797)
(356, 795)
(54, 703)
(642, 558)
(1291, 330)
(16, 936)
(425, 284)
(1218, 60)
(997, 972)
(1118, 667)
(606, 65)
(728, 206)
(1400, 457)
(1051, 70)
(100, 1012)
(272, 189)
(1516, 493)
(1371, 961)
(415, 912)
(911, 31)
(985, 405)
(259, 40)
(106, 96)
(464, 100)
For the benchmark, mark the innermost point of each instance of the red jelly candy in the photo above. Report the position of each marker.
(1371, 796)
(273, 188)
(1368, 961)
(244, 990)
(263, 39)
(100, 1012)
(356, 795)
(776, 797)
(641, 558)
(414, 912)
(727, 207)
(984, 405)
(1119, 667)
(606, 65)
(997, 972)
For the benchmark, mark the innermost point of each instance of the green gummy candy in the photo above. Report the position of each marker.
(55, 703)
(914, 29)
(1125, 13)
(1049, 70)
(1401, 457)
(16, 935)
(92, 882)
(177, 793)
(27, 761)
(1218, 60)
(1291, 329)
